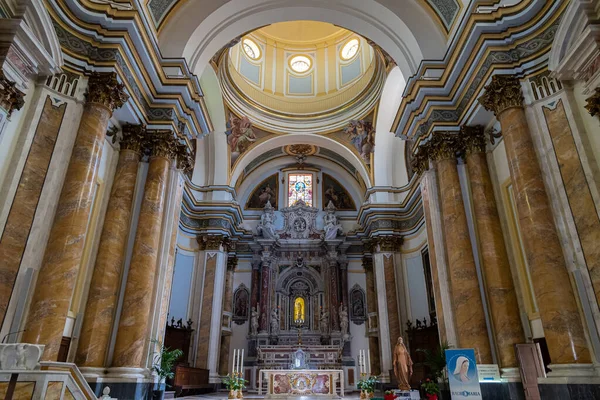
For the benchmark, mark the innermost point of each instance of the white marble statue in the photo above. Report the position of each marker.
(266, 227)
(255, 314)
(332, 227)
(324, 322)
(344, 321)
(274, 321)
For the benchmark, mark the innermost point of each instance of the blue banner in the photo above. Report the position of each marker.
(462, 374)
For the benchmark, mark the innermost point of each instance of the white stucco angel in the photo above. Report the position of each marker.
(332, 227)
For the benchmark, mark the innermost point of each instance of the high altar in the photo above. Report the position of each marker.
(299, 337)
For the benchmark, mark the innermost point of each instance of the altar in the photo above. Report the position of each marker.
(293, 382)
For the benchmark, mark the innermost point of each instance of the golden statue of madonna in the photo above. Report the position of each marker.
(299, 309)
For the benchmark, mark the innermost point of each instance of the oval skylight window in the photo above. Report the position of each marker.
(251, 49)
(300, 64)
(350, 49)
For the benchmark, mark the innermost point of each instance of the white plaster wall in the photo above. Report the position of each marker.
(242, 274)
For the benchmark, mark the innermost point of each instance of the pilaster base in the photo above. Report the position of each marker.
(571, 374)
(124, 383)
(510, 374)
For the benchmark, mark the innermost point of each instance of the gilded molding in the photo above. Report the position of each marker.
(443, 146)
(420, 161)
(104, 88)
(133, 137)
(593, 103)
(161, 143)
(502, 93)
(11, 98)
(473, 139)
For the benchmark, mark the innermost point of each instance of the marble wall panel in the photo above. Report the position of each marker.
(392, 298)
(53, 390)
(22, 212)
(206, 313)
(23, 390)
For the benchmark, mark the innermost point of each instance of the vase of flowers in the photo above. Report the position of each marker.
(367, 386)
(235, 384)
(389, 395)
(431, 389)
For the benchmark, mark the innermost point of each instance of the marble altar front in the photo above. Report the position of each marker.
(296, 383)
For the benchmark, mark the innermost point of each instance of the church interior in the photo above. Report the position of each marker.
(300, 199)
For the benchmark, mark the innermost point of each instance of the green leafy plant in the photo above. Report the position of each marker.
(164, 361)
(234, 382)
(430, 387)
(436, 361)
(368, 384)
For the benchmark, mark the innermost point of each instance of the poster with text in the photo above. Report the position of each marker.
(462, 374)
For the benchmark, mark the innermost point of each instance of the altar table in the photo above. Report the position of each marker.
(301, 382)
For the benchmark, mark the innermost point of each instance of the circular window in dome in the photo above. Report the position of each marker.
(251, 49)
(300, 64)
(350, 49)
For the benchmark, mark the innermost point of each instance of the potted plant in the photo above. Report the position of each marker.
(367, 386)
(431, 389)
(389, 395)
(163, 363)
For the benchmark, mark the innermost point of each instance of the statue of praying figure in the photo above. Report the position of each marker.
(324, 322)
(402, 365)
(274, 322)
(344, 321)
(266, 227)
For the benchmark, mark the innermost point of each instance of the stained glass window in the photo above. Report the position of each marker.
(300, 187)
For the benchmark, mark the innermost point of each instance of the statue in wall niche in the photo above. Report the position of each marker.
(324, 322)
(344, 321)
(275, 321)
(266, 227)
(332, 227)
(402, 365)
(255, 314)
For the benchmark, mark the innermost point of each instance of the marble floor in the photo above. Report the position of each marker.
(223, 396)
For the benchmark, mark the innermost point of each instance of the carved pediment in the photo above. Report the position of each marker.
(300, 222)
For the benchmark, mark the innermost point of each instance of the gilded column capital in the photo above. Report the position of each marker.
(367, 263)
(473, 139)
(389, 243)
(133, 137)
(503, 92)
(212, 242)
(593, 103)
(11, 98)
(105, 89)
(185, 160)
(420, 160)
(232, 263)
(161, 143)
(443, 146)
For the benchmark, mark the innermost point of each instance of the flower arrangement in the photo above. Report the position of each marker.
(235, 383)
(389, 395)
(367, 386)
(431, 389)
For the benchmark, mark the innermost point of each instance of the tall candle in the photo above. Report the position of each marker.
(361, 362)
(233, 363)
(369, 361)
(242, 362)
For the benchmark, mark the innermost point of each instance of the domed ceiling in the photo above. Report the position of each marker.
(302, 77)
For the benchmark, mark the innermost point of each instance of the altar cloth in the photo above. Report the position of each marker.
(302, 383)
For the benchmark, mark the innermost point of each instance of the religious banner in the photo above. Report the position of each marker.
(462, 374)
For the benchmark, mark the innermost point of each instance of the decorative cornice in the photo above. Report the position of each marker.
(133, 137)
(104, 88)
(473, 139)
(502, 93)
(11, 98)
(212, 242)
(593, 103)
(161, 143)
(389, 243)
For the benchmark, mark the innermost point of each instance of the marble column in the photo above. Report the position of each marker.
(562, 324)
(255, 284)
(106, 277)
(134, 324)
(334, 302)
(469, 315)
(372, 325)
(227, 308)
(499, 284)
(344, 280)
(388, 245)
(58, 272)
(265, 278)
